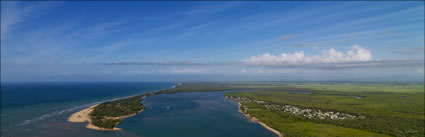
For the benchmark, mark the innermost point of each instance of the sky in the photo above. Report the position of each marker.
(212, 41)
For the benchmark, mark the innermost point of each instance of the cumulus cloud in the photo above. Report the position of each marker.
(355, 54)
(355, 58)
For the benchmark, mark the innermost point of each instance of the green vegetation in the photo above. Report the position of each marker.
(105, 123)
(390, 109)
(295, 127)
(395, 111)
(369, 87)
(101, 114)
(199, 87)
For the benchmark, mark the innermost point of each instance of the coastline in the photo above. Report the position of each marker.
(84, 115)
(253, 119)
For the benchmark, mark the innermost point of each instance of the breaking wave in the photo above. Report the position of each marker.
(57, 113)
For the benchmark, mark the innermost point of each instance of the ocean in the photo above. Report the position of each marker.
(42, 109)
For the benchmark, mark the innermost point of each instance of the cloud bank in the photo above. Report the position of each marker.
(355, 54)
(355, 58)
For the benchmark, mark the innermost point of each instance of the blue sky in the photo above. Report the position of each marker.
(212, 41)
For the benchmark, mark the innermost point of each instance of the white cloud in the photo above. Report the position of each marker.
(13, 13)
(355, 54)
(200, 26)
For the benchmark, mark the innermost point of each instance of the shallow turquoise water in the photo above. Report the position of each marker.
(41, 110)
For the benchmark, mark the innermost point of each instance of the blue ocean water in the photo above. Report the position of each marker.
(28, 105)
(198, 114)
(42, 109)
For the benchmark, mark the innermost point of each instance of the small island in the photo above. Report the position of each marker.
(106, 116)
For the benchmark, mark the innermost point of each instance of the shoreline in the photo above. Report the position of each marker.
(253, 119)
(84, 115)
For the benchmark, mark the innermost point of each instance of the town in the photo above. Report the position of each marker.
(304, 112)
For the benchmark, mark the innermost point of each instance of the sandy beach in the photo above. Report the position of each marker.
(253, 119)
(83, 116)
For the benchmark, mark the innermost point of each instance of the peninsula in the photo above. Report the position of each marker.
(297, 109)
(106, 116)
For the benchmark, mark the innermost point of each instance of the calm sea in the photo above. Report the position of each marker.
(41, 109)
